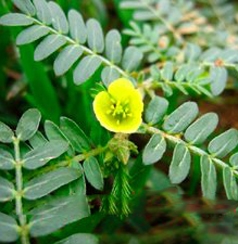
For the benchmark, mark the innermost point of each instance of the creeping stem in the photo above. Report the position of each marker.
(19, 192)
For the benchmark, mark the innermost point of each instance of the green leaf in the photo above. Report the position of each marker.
(234, 160)
(53, 132)
(78, 30)
(113, 46)
(59, 20)
(131, 59)
(37, 140)
(43, 154)
(28, 124)
(86, 68)
(192, 52)
(109, 74)
(95, 36)
(66, 58)
(31, 34)
(180, 119)
(229, 181)
(43, 11)
(180, 165)
(154, 149)
(167, 71)
(6, 134)
(93, 173)
(155, 110)
(199, 131)
(75, 135)
(46, 183)
(6, 160)
(48, 46)
(209, 178)
(218, 77)
(58, 213)
(8, 228)
(223, 144)
(25, 6)
(79, 239)
(6, 190)
(15, 20)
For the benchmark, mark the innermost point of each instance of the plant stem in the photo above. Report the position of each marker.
(19, 192)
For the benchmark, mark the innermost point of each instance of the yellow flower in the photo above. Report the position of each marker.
(120, 108)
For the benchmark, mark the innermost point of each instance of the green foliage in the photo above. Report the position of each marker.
(65, 176)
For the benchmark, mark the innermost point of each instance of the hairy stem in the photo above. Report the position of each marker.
(19, 191)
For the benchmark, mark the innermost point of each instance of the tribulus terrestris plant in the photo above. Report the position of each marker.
(120, 111)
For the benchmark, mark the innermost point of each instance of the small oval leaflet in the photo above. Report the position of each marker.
(8, 228)
(95, 36)
(74, 135)
(180, 165)
(31, 34)
(41, 155)
(6, 190)
(48, 46)
(199, 131)
(234, 160)
(229, 181)
(25, 6)
(154, 149)
(86, 68)
(59, 20)
(131, 59)
(80, 238)
(6, 160)
(58, 213)
(209, 178)
(223, 144)
(43, 11)
(155, 110)
(219, 78)
(49, 182)
(6, 134)
(66, 58)
(78, 29)
(109, 74)
(37, 140)
(93, 173)
(113, 46)
(28, 124)
(180, 119)
(15, 19)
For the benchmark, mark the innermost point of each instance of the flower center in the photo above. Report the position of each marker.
(119, 110)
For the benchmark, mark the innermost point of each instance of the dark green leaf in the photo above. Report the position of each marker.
(31, 34)
(93, 172)
(28, 124)
(199, 131)
(8, 229)
(209, 178)
(58, 213)
(43, 154)
(180, 119)
(156, 110)
(6, 190)
(45, 184)
(15, 20)
(6, 134)
(180, 165)
(48, 46)
(223, 144)
(79, 239)
(74, 134)
(154, 149)
(6, 160)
